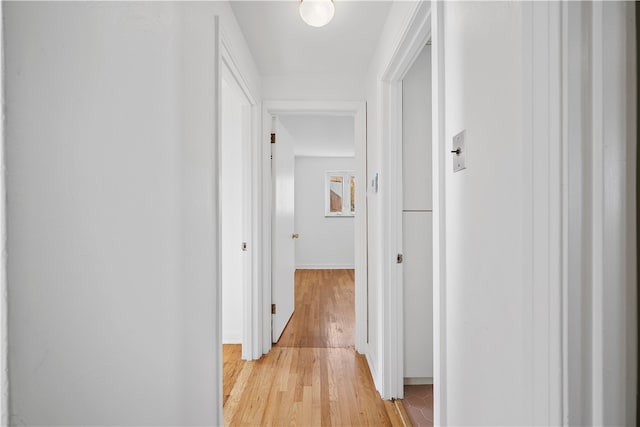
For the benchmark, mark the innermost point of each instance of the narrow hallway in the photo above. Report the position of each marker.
(312, 376)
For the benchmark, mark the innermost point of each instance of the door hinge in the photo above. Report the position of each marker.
(244, 246)
(273, 138)
(273, 309)
(400, 258)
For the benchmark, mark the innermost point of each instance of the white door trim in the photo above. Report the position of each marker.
(357, 110)
(612, 209)
(597, 222)
(415, 34)
(251, 289)
(4, 343)
(439, 217)
(543, 210)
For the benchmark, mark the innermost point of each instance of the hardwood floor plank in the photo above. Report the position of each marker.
(324, 313)
(313, 376)
(394, 415)
(231, 367)
(401, 412)
(232, 403)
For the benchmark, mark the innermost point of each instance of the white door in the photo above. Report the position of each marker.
(283, 250)
(232, 212)
(417, 221)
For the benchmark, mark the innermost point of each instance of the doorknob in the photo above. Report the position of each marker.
(295, 235)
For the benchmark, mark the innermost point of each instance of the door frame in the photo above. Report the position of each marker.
(415, 35)
(251, 201)
(4, 342)
(354, 109)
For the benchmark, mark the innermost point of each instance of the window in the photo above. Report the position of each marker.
(340, 193)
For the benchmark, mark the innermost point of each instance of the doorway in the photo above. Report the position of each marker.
(237, 229)
(355, 113)
(417, 240)
(233, 209)
(313, 169)
(238, 210)
(422, 208)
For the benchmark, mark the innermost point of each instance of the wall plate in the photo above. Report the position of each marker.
(458, 152)
(374, 183)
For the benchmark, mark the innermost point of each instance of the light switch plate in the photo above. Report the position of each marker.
(458, 152)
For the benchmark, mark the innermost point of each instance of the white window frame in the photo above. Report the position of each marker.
(346, 201)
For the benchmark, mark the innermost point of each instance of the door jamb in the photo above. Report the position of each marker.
(439, 216)
(4, 343)
(357, 110)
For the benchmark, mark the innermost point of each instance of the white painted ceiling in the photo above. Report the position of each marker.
(282, 44)
(326, 136)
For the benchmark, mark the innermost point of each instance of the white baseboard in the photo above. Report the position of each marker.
(325, 267)
(418, 381)
(374, 373)
(232, 337)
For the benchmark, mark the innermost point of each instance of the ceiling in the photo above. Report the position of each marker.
(282, 44)
(327, 136)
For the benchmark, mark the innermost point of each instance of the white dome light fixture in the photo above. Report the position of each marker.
(317, 13)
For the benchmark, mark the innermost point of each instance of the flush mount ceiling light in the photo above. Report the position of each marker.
(316, 13)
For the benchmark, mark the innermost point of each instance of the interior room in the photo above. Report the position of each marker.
(300, 212)
(323, 148)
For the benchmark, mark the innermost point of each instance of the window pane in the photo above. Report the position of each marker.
(335, 194)
(352, 191)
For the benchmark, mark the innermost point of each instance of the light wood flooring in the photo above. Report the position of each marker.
(324, 314)
(312, 376)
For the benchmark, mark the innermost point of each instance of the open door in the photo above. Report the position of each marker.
(282, 241)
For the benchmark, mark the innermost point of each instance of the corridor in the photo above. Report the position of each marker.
(312, 376)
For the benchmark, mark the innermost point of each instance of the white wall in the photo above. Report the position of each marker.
(317, 88)
(527, 267)
(232, 212)
(321, 135)
(486, 293)
(325, 242)
(111, 181)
